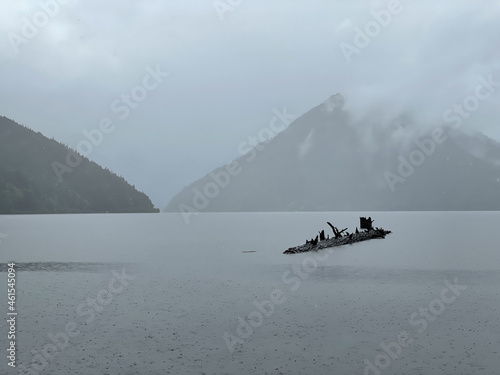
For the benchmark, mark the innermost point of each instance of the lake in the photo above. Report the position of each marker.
(150, 294)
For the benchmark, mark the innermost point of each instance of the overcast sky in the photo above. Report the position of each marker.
(229, 66)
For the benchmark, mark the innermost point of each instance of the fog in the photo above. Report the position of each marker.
(228, 67)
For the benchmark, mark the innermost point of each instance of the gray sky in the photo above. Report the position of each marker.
(229, 69)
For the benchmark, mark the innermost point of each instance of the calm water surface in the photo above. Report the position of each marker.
(190, 285)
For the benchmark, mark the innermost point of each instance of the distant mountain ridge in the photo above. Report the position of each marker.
(325, 161)
(29, 185)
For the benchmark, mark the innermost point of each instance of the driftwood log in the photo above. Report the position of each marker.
(339, 239)
(336, 232)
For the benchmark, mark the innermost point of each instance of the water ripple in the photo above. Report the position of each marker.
(65, 266)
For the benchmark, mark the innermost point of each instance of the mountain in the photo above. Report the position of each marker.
(30, 184)
(326, 161)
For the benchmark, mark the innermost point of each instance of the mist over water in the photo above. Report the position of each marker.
(420, 240)
(189, 284)
(250, 124)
